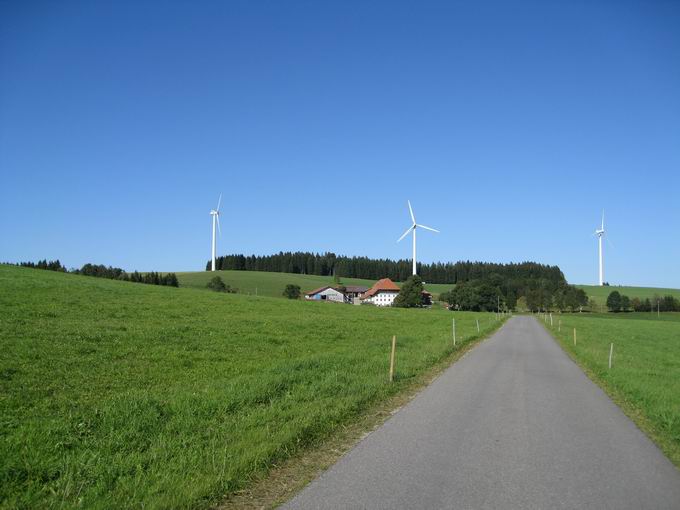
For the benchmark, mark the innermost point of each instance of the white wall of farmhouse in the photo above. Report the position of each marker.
(382, 298)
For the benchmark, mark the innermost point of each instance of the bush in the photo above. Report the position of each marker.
(292, 291)
(217, 284)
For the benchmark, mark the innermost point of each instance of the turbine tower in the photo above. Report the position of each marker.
(413, 228)
(600, 234)
(215, 213)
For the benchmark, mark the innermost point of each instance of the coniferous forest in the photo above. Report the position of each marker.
(373, 269)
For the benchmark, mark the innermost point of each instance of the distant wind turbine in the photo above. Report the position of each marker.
(412, 228)
(215, 213)
(600, 234)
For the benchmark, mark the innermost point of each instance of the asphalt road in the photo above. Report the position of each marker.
(514, 424)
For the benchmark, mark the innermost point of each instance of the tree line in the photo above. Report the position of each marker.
(494, 292)
(112, 273)
(617, 302)
(329, 264)
(52, 265)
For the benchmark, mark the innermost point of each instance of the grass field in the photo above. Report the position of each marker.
(272, 284)
(599, 294)
(115, 394)
(645, 374)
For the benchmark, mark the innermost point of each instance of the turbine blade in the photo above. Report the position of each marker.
(219, 201)
(405, 233)
(429, 228)
(602, 219)
(413, 218)
(218, 224)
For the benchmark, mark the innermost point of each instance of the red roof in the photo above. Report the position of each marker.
(380, 285)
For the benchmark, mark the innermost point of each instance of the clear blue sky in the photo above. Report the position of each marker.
(508, 125)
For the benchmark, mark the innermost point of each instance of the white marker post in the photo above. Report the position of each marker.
(394, 348)
(551, 322)
(574, 336)
(453, 329)
(611, 352)
(477, 325)
(559, 325)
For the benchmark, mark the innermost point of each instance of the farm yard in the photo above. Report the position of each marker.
(117, 394)
(645, 375)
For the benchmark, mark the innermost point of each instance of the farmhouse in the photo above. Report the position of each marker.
(382, 293)
(326, 293)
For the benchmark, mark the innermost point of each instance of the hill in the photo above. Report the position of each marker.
(271, 284)
(117, 394)
(599, 294)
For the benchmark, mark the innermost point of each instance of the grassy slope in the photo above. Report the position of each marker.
(272, 284)
(599, 294)
(645, 377)
(114, 394)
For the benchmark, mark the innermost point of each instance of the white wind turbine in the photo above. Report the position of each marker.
(600, 234)
(215, 213)
(412, 228)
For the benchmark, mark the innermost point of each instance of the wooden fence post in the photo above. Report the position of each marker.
(394, 348)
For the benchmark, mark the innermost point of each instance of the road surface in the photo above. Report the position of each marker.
(514, 424)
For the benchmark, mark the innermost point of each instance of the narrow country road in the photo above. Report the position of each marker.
(515, 424)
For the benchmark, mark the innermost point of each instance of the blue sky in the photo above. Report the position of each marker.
(509, 126)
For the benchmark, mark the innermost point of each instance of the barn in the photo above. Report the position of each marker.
(326, 293)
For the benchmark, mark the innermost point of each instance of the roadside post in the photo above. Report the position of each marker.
(574, 336)
(394, 348)
(611, 352)
(477, 325)
(453, 329)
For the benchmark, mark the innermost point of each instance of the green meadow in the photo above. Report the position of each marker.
(599, 294)
(116, 394)
(645, 374)
(265, 283)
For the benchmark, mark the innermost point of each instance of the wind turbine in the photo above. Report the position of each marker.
(600, 234)
(413, 228)
(215, 213)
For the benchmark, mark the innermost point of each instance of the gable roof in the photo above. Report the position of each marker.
(355, 288)
(381, 285)
(316, 291)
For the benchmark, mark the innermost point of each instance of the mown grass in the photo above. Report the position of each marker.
(115, 394)
(270, 284)
(645, 374)
(599, 294)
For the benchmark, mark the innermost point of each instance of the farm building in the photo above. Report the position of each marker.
(382, 293)
(326, 293)
(353, 293)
